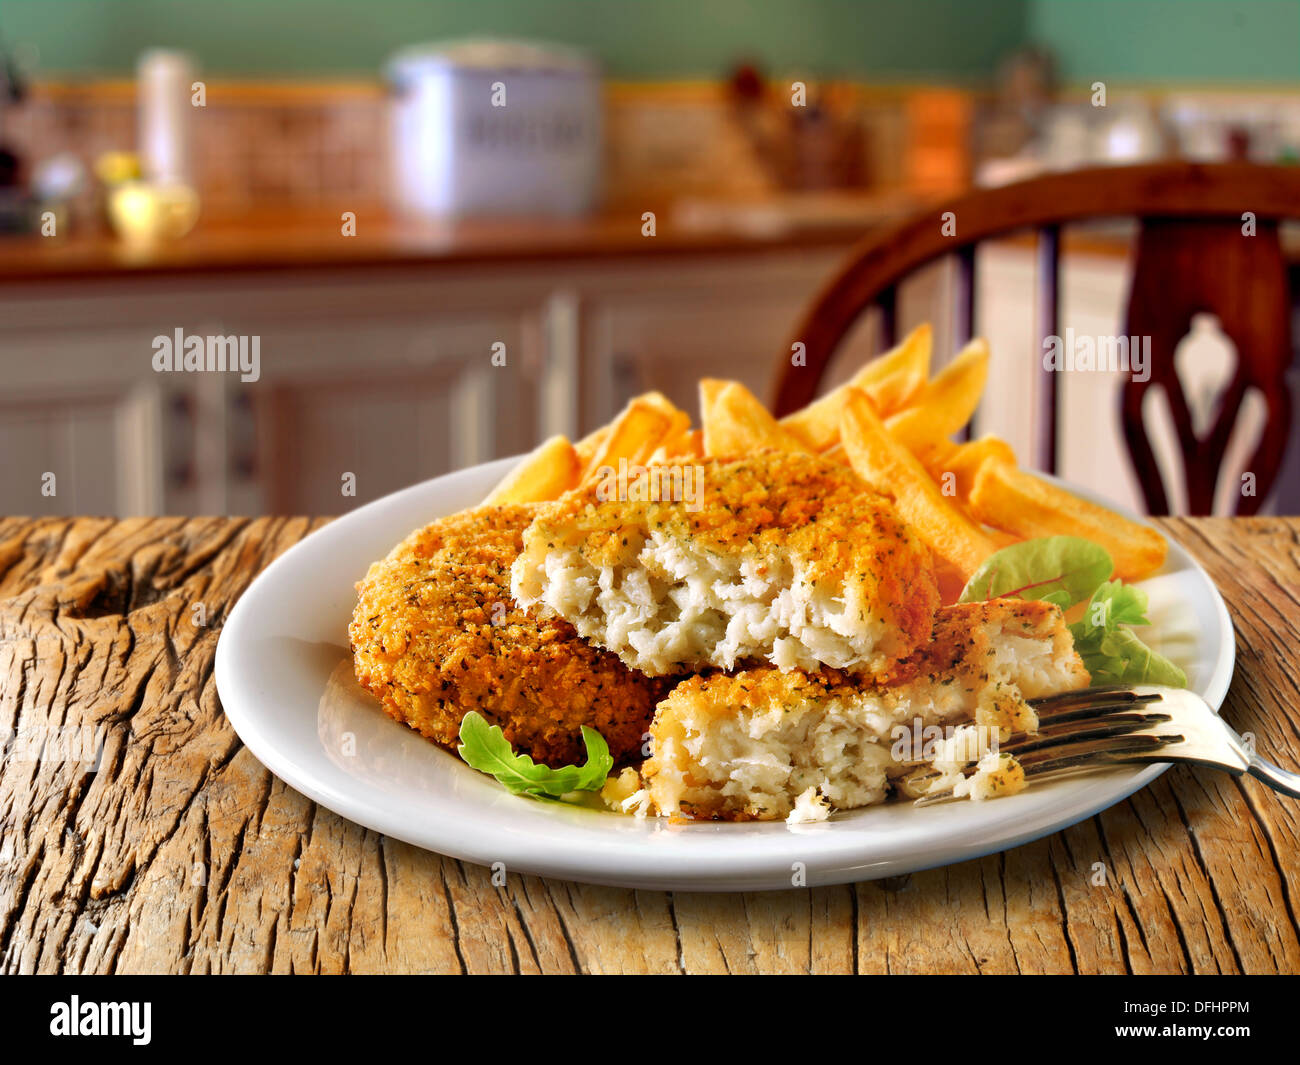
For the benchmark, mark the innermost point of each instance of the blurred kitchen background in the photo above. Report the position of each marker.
(332, 178)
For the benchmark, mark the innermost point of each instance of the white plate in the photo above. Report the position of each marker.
(285, 677)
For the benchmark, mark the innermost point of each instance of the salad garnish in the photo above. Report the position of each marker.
(486, 748)
(1066, 570)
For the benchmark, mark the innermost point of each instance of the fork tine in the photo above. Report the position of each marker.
(1073, 752)
(1098, 728)
(1075, 694)
(1060, 733)
(1154, 751)
(1076, 756)
(1090, 702)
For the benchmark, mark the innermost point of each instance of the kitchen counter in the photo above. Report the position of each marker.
(276, 241)
(184, 854)
(313, 240)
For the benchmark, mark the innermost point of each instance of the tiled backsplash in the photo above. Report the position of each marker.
(316, 146)
(326, 145)
(253, 147)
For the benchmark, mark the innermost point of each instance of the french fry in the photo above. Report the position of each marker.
(735, 423)
(679, 422)
(964, 461)
(947, 402)
(642, 426)
(890, 469)
(587, 447)
(1028, 506)
(836, 453)
(546, 473)
(1001, 538)
(892, 381)
(936, 454)
(659, 401)
(688, 445)
(673, 441)
(676, 441)
(817, 426)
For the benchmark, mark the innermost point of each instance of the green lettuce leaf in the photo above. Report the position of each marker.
(1066, 570)
(1057, 569)
(1114, 603)
(485, 747)
(1115, 655)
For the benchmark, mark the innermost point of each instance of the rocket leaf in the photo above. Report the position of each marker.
(486, 748)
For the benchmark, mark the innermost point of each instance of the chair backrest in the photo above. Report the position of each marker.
(1208, 242)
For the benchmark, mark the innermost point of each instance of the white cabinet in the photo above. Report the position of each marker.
(81, 429)
(1090, 443)
(397, 375)
(89, 454)
(387, 381)
(371, 387)
(367, 379)
(664, 329)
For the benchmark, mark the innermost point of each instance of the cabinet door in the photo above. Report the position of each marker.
(666, 330)
(344, 415)
(59, 457)
(1090, 442)
(82, 426)
(330, 442)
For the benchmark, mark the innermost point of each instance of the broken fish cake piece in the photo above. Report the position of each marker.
(788, 559)
(764, 745)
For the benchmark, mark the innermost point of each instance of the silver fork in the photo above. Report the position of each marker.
(1097, 728)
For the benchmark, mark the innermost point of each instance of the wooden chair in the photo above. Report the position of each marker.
(1192, 256)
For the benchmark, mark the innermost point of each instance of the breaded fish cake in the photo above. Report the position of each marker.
(760, 744)
(778, 556)
(436, 634)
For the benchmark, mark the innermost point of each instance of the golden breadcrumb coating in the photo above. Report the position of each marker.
(802, 502)
(788, 557)
(436, 634)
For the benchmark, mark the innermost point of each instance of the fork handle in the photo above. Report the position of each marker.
(1276, 778)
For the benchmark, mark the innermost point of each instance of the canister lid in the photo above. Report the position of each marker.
(490, 54)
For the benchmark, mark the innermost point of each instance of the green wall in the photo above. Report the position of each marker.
(1185, 41)
(888, 39)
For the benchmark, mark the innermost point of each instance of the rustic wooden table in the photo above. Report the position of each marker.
(183, 854)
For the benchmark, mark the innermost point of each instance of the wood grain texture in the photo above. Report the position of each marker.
(183, 854)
